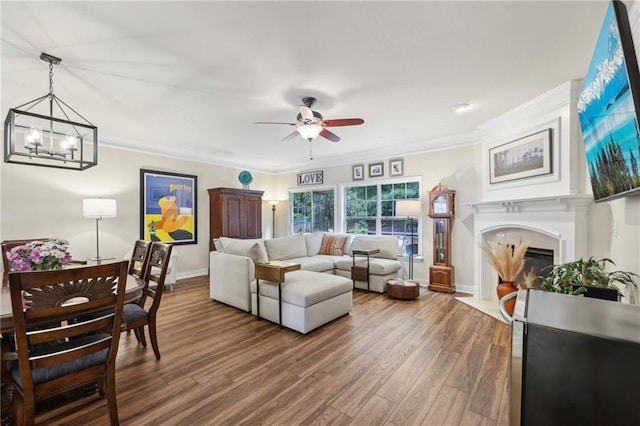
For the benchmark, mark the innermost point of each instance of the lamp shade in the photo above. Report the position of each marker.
(408, 208)
(98, 208)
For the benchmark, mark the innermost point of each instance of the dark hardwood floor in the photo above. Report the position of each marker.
(432, 361)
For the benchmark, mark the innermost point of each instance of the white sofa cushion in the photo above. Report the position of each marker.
(284, 248)
(305, 288)
(315, 263)
(249, 248)
(387, 244)
(377, 266)
(314, 242)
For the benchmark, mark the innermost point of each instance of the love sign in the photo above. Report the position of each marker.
(310, 178)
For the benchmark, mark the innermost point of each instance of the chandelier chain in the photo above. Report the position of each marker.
(51, 78)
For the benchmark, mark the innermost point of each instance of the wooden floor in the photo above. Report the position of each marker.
(432, 361)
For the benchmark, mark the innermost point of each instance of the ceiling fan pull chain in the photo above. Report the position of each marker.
(310, 151)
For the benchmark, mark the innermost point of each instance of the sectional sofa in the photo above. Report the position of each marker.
(232, 264)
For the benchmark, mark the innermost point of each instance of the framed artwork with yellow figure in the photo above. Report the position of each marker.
(168, 207)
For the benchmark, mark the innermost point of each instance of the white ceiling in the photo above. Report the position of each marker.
(190, 78)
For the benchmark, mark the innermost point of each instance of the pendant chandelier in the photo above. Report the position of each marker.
(68, 141)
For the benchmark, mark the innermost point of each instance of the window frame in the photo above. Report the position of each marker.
(379, 182)
(311, 189)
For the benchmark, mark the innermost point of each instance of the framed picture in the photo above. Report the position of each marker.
(168, 207)
(523, 158)
(609, 109)
(357, 172)
(376, 170)
(396, 167)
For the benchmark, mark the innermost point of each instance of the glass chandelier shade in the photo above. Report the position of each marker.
(309, 131)
(67, 140)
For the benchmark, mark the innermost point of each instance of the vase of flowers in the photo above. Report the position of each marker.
(508, 261)
(39, 256)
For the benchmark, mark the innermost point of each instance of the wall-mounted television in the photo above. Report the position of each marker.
(608, 109)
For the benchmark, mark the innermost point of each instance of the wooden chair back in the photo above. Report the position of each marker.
(70, 316)
(156, 273)
(139, 258)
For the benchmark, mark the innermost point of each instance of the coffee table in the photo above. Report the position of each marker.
(274, 272)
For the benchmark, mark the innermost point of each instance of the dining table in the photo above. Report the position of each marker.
(133, 290)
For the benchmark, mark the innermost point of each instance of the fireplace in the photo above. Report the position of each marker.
(556, 227)
(536, 259)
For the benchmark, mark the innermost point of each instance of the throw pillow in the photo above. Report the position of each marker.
(333, 245)
(218, 245)
(250, 248)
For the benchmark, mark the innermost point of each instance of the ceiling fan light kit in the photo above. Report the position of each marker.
(310, 124)
(68, 141)
(309, 131)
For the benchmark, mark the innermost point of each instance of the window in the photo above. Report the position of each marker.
(312, 211)
(370, 209)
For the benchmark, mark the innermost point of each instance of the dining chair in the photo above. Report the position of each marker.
(136, 315)
(138, 259)
(59, 344)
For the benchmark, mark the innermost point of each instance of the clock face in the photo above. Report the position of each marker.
(440, 205)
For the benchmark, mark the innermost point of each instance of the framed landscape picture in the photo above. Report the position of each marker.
(523, 158)
(376, 170)
(609, 110)
(168, 207)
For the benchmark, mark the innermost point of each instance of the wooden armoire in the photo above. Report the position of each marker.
(234, 213)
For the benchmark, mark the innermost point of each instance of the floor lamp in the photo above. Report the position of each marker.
(98, 208)
(410, 209)
(273, 203)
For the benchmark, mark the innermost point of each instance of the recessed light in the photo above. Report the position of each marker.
(460, 107)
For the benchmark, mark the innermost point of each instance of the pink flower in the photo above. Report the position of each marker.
(39, 255)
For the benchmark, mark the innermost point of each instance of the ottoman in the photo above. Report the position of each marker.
(309, 299)
(403, 289)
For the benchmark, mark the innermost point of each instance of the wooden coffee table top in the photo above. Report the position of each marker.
(275, 270)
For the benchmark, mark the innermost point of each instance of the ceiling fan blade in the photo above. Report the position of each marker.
(306, 113)
(273, 122)
(291, 136)
(342, 122)
(329, 135)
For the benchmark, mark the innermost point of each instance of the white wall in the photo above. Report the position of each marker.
(43, 202)
(456, 168)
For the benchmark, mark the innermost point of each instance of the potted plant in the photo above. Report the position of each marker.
(581, 276)
(508, 261)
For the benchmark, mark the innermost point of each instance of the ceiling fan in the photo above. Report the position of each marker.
(310, 124)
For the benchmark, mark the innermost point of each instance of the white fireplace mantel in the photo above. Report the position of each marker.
(559, 223)
(547, 204)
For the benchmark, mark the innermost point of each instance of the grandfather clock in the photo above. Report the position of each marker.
(442, 211)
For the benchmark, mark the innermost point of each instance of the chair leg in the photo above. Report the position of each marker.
(112, 401)
(139, 338)
(154, 337)
(24, 409)
(102, 387)
(143, 339)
